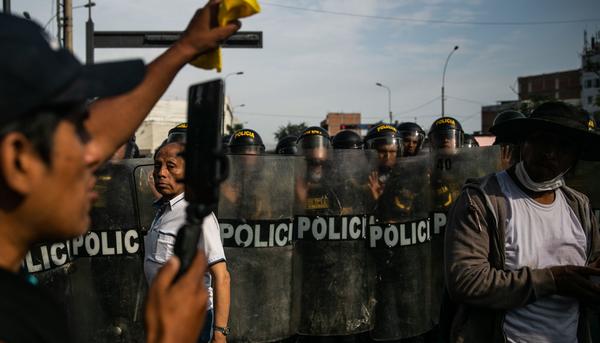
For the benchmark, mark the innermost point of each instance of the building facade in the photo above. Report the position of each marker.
(562, 85)
(489, 113)
(590, 75)
(337, 121)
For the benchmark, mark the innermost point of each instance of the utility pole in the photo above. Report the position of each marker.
(6, 6)
(68, 24)
(89, 35)
(59, 32)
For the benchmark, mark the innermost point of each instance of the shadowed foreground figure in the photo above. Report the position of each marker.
(52, 142)
(520, 244)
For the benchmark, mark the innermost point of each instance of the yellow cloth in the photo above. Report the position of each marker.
(228, 10)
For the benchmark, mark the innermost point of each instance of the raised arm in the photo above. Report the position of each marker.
(113, 120)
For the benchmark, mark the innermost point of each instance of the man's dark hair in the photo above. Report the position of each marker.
(39, 129)
(164, 144)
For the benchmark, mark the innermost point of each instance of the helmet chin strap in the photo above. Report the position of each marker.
(548, 185)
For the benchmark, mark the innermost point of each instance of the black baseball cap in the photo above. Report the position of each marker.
(37, 73)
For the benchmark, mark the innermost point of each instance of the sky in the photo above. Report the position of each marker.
(326, 56)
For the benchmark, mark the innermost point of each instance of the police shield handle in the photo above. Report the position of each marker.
(574, 281)
(229, 10)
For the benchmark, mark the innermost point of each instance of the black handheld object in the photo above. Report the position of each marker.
(205, 165)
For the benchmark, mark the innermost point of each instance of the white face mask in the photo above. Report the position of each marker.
(548, 185)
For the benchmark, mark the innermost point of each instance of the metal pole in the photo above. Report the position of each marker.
(68, 25)
(444, 78)
(6, 6)
(59, 22)
(89, 35)
(389, 99)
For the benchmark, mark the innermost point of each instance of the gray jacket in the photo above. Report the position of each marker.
(475, 279)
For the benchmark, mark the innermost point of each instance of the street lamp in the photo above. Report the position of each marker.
(230, 74)
(389, 98)
(444, 77)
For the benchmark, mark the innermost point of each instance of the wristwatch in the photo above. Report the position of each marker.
(224, 330)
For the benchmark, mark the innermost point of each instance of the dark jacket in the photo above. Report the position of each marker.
(476, 281)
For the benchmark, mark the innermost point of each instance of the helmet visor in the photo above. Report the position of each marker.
(177, 137)
(383, 142)
(246, 149)
(446, 139)
(313, 142)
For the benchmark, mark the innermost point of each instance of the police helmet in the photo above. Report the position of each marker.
(470, 141)
(246, 142)
(504, 117)
(313, 137)
(287, 146)
(381, 135)
(347, 139)
(409, 132)
(178, 134)
(444, 132)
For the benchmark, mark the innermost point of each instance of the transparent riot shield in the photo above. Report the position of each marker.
(255, 215)
(584, 178)
(449, 170)
(337, 273)
(399, 240)
(98, 277)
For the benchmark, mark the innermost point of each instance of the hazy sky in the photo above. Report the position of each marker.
(313, 63)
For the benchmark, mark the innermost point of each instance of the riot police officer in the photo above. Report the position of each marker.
(287, 146)
(178, 133)
(446, 133)
(315, 195)
(246, 142)
(347, 139)
(245, 146)
(470, 141)
(412, 136)
(384, 139)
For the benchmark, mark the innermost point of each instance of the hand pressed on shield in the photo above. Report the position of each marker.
(375, 185)
(175, 311)
(573, 281)
(203, 34)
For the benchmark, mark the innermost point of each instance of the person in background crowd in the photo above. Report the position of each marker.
(470, 141)
(509, 151)
(384, 139)
(412, 136)
(52, 142)
(521, 245)
(347, 139)
(447, 134)
(178, 133)
(169, 169)
(314, 192)
(127, 151)
(287, 146)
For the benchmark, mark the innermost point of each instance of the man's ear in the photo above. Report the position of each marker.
(20, 164)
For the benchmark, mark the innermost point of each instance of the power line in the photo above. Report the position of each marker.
(418, 107)
(466, 100)
(435, 21)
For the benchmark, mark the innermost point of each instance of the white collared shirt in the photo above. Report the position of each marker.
(159, 243)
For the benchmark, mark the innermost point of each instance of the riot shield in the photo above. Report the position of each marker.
(98, 277)
(449, 171)
(584, 178)
(337, 273)
(255, 215)
(399, 240)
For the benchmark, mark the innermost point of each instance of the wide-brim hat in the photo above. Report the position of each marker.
(36, 73)
(557, 117)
